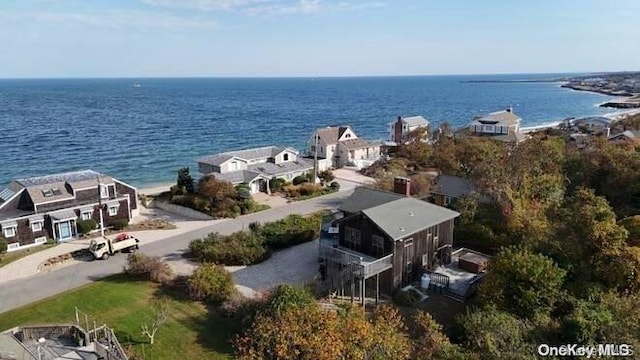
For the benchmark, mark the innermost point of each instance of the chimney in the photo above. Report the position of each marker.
(509, 109)
(397, 131)
(402, 186)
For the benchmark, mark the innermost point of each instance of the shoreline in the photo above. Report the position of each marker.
(614, 116)
(155, 190)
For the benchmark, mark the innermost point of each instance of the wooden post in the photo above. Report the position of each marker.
(377, 288)
(353, 288)
(363, 291)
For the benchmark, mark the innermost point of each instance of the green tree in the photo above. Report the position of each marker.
(185, 181)
(493, 334)
(586, 236)
(632, 225)
(326, 176)
(522, 282)
(3, 244)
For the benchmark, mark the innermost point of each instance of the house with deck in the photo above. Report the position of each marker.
(500, 125)
(338, 146)
(384, 241)
(399, 129)
(37, 208)
(255, 167)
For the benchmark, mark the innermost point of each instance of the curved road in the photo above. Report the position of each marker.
(24, 291)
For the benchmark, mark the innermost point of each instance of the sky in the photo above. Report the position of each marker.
(265, 38)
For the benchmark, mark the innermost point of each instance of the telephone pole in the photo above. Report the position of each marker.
(100, 207)
(315, 160)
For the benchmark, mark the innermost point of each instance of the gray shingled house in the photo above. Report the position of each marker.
(37, 208)
(384, 241)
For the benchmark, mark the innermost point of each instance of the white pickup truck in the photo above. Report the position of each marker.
(103, 248)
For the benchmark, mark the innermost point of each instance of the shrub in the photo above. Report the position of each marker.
(277, 184)
(210, 283)
(285, 297)
(291, 191)
(86, 226)
(308, 189)
(120, 224)
(300, 179)
(239, 248)
(152, 268)
(326, 176)
(292, 230)
(3, 245)
(335, 185)
(406, 298)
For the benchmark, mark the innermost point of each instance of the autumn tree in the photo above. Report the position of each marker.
(587, 236)
(415, 147)
(429, 342)
(522, 282)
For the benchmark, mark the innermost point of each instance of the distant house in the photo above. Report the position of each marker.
(500, 125)
(255, 167)
(594, 125)
(338, 146)
(385, 241)
(37, 208)
(399, 129)
(626, 136)
(449, 188)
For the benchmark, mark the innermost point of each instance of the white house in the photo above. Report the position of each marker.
(399, 129)
(255, 167)
(500, 125)
(338, 146)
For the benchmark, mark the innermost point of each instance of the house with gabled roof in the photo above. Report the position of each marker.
(626, 136)
(385, 240)
(399, 129)
(499, 125)
(34, 209)
(255, 167)
(338, 146)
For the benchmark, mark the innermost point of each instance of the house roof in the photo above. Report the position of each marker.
(331, 134)
(453, 186)
(406, 216)
(504, 117)
(629, 134)
(272, 169)
(364, 198)
(74, 177)
(245, 154)
(57, 187)
(600, 120)
(414, 121)
(237, 177)
(358, 144)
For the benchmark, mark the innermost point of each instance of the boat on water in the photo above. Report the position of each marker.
(136, 85)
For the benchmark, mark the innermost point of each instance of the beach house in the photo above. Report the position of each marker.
(37, 208)
(399, 129)
(255, 167)
(338, 146)
(500, 125)
(385, 240)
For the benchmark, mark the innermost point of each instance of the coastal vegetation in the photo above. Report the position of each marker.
(301, 187)
(254, 245)
(214, 197)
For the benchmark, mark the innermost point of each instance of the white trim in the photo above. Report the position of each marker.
(113, 207)
(40, 226)
(83, 213)
(104, 191)
(92, 187)
(13, 246)
(13, 197)
(40, 240)
(5, 230)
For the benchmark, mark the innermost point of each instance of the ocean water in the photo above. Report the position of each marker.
(144, 134)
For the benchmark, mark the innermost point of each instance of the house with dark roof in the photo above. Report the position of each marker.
(594, 125)
(255, 167)
(338, 146)
(34, 209)
(384, 241)
(447, 189)
(500, 125)
(399, 129)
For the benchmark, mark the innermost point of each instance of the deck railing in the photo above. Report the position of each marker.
(378, 266)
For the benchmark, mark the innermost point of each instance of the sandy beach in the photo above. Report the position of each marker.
(615, 116)
(155, 189)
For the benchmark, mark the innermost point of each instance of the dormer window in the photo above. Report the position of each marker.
(285, 157)
(47, 193)
(104, 191)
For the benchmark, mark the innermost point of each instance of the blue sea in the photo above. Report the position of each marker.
(143, 134)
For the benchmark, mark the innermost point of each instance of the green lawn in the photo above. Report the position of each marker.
(15, 255)
(191, 331)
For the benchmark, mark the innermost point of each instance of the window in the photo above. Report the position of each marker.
(113, 210)
(285, 157)
(352, 238)
(408, 258)
(9, 231)
(36, 226)
(447, 200)
(377, 243)
(104, 191)
(488, 128)
(86, 215)
(233, 166)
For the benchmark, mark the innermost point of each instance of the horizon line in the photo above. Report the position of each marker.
(302, 76)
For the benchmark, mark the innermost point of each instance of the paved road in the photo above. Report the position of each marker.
(24, 291)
